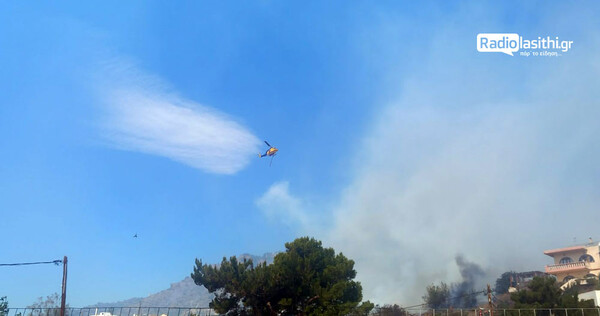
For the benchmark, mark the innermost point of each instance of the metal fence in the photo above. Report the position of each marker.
(502, 312)
(205, 311)
(114, 311)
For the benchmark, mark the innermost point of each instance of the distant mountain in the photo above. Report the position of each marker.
(184, 293)
(267, 257)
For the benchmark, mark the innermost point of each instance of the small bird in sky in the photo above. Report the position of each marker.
(135, 236)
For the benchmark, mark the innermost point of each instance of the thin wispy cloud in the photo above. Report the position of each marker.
(142, 115)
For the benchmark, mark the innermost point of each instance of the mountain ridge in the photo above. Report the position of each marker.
(184, 293)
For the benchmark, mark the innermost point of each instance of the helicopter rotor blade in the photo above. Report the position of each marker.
(271, 162)
(268, 144)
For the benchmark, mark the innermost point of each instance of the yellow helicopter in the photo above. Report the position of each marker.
(271, 152)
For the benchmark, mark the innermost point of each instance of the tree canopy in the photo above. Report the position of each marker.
(543, 292)
(503, 282)
(437, 296)
(3, 306)
(306, 279)
(456, 295)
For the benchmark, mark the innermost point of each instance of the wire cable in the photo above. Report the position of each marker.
(56, 262)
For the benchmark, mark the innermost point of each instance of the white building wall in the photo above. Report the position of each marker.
(591, 295)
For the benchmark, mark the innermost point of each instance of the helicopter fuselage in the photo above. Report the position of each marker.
(272, 151)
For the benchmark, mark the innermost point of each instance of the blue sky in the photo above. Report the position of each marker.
(394, 132)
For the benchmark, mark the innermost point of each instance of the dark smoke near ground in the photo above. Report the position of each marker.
(463, 293)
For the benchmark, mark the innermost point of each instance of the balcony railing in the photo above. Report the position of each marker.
(567, 267)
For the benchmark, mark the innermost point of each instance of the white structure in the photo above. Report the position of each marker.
(591, 295)
(575, 262)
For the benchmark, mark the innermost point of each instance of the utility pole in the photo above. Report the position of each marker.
(63, 298)
(489, 293)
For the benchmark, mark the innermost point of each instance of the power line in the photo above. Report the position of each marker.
(56, 262)
(64, 280)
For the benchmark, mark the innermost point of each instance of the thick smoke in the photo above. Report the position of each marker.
(463, 293)
(473, 162)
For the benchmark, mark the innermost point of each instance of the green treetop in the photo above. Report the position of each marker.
(306, 279)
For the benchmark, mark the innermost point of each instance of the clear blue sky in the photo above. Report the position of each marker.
(146, 117)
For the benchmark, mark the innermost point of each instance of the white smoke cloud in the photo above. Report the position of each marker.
(142, 116)
(469, 160)
(279, 205)
(475, 182)
(484, 182)
(457, 166)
